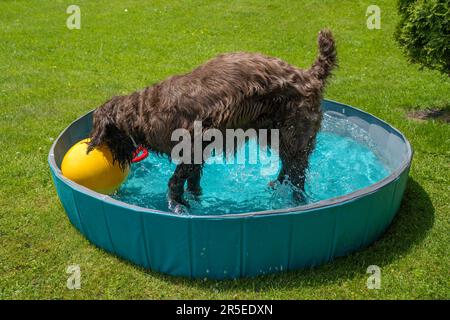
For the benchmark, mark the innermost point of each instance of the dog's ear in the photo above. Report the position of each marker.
(102, 127)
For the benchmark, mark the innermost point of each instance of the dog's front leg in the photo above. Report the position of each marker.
(193, 181)
(176, 187)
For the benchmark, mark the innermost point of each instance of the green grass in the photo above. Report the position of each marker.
(50, 75)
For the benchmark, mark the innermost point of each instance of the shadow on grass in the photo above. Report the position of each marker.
(409, 227)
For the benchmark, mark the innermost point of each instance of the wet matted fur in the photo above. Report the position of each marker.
(231, 91)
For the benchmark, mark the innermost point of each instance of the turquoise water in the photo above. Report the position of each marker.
(342, 162)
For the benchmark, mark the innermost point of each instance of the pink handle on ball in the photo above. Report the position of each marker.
(137, 157)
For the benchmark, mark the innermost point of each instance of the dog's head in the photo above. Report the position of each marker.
(106, 131)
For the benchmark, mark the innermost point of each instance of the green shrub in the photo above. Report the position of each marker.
(424, 32)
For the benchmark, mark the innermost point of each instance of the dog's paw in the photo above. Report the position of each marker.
(178, 208)
(299, 196)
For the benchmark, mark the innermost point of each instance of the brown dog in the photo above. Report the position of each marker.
(236, 90)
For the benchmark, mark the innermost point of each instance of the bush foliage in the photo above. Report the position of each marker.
(424, 32)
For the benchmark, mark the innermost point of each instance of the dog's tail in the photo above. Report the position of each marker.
(327, 60)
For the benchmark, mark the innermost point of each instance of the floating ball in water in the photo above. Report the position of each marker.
(95, 170)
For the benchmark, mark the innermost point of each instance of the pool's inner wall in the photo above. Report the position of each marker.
(234, 246)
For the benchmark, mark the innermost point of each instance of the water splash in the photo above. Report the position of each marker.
(343, 161)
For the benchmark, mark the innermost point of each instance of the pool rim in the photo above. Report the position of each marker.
(330, 202)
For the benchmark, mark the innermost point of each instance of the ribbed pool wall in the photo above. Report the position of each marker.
(240, 244)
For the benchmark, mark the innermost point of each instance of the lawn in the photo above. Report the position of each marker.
(50, 75)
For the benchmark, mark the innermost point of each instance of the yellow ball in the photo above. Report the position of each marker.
(95, 170)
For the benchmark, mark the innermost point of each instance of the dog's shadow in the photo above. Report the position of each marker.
(410, 226)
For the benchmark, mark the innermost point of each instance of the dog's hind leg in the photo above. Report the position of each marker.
(294, 165)
(297, 141)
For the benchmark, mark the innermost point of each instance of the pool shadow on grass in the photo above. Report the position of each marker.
(409, 227)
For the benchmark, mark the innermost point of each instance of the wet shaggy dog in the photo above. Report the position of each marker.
(231, 91)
